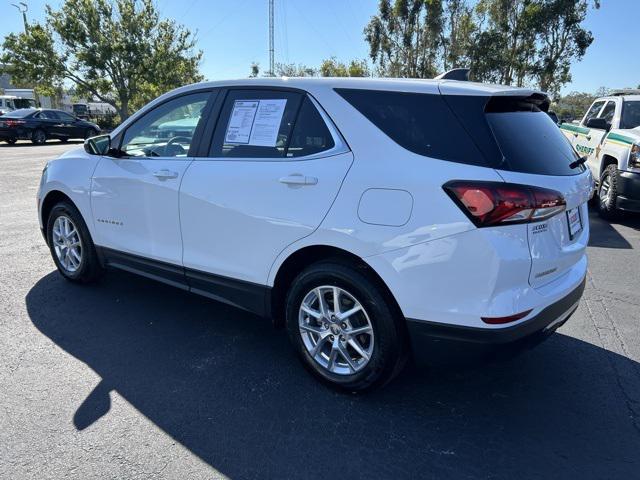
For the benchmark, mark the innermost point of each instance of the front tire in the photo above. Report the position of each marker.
(71, 245)
(356, 346)
(608, 193)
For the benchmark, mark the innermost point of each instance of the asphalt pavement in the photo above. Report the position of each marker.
(134, 379)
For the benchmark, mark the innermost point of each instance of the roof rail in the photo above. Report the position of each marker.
(624, 91)
(461, 74)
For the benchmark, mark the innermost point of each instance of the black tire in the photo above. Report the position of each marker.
(90, 132)
(390, 348)
(89, 268)
(12, 141)
(38, 137)
(64, 140)
(607, 203)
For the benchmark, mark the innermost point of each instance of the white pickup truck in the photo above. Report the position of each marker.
(609, 136)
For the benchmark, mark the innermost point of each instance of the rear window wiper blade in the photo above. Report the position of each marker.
(578, 162)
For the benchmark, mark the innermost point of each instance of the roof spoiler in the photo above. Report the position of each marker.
(461, 74)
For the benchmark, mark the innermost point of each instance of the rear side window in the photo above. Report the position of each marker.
(22, 113)
(255, 124)
(630, 115)
(421, 123)
(48, 114)
(310, 134)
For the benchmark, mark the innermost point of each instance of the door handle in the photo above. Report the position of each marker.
(588, 137)
(165, 174)
(298, 179)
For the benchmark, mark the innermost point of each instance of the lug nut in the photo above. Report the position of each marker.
(343, 325)
(331, 337)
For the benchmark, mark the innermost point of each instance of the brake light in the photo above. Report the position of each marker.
(13, 123)
(497, 203)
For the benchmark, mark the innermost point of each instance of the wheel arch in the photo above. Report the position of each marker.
(298, 260)
(607, 160)
(52, 198)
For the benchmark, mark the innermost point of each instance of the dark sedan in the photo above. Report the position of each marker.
(40, 125)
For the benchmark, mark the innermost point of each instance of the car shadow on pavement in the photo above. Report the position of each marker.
(227, 386)
(604, 235)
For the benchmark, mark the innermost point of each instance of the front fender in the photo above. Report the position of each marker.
(71, 175)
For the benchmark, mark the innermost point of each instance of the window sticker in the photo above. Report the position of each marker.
(255, 122)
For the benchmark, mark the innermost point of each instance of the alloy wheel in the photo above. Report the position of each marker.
(67, 243)
(336, 330)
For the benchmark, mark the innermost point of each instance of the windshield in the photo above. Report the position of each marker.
(22, 113)
(630, 115)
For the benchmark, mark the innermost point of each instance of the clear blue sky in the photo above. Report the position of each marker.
(234, 33)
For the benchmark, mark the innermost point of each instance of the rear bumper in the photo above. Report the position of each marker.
(449, 344)
(8, 134)
(628, 184)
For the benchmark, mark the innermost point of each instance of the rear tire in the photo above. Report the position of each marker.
(608, 193)
(361, 361)
(71, 245)
(38, 137)
(12, 141)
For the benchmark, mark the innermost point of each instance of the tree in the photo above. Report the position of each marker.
(516, 42)
(293, 70)
(573, 105)
(118, 51)
(255, 70)
(331, 67)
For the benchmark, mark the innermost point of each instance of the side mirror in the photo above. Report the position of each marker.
(99, 145)
(598, 124)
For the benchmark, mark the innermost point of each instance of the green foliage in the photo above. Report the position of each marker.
(573, 105)
(118, 51)
(293, 70)
(331, 67)
(519, 42)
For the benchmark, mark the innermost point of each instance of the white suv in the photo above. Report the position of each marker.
(375, 218)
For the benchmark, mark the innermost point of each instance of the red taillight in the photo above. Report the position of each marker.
(509, 319)
(496, 203)
(13, 123)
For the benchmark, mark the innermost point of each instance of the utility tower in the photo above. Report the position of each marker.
(271, 54)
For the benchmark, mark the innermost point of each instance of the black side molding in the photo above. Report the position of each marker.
(249, 296)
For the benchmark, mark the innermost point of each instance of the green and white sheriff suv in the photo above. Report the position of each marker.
(609, 137)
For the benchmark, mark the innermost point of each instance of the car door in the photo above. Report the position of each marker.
(274, 167)
(585, 138)
(592, 143)
(69, 126)
(134, 196)
(48, 121)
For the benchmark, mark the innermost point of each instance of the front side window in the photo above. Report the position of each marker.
(608, 111)
(167, 130)
(593, 112)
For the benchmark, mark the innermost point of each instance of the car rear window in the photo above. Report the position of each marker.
(529, 140)
(22, 113)
(421, 123)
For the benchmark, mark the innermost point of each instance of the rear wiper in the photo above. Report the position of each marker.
(578, 162)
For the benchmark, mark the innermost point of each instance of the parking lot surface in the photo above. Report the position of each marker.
(133, 379)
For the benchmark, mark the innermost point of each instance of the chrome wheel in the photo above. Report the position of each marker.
(336, 330)
(605, 190)
(67, 243)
